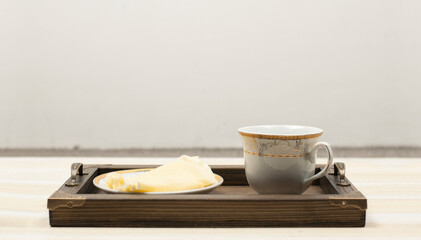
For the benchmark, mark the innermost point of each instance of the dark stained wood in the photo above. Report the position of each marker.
(234, 204)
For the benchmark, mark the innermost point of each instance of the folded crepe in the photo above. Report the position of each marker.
(184, 173)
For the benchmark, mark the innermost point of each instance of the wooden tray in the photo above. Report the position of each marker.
(234, 204)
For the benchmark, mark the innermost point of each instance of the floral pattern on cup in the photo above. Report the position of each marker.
(273, 148)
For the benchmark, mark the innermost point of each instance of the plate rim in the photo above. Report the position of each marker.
(96, 180)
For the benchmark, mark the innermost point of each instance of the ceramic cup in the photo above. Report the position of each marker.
(282, 158)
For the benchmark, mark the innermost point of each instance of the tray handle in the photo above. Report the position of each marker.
(339, 170)
(75, 170)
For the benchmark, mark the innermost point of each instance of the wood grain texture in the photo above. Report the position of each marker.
(234, 204)
(391, 185)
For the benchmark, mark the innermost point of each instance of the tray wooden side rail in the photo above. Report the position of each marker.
(234, 204)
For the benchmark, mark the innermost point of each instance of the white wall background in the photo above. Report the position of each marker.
(180, 73)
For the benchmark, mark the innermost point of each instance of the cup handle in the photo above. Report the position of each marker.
(329, 161)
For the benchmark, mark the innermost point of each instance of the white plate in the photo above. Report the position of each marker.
(100, 183)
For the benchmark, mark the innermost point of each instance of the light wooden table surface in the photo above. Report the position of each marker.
(392, 187)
